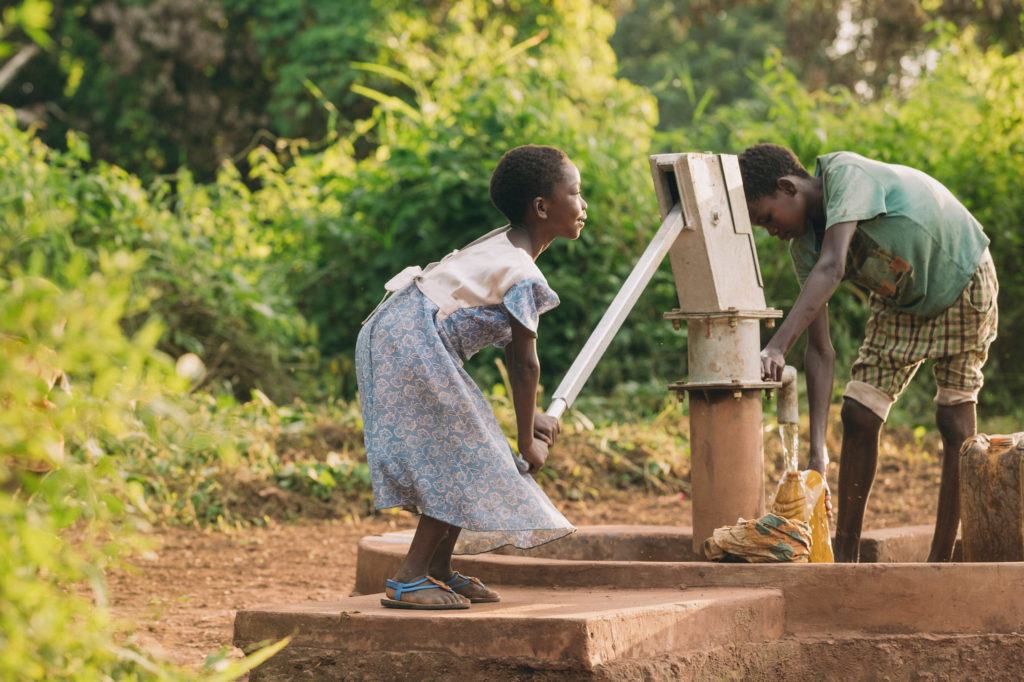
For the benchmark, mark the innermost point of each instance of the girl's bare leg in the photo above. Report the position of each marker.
(441, 567)
(441, 560)
(429, 534)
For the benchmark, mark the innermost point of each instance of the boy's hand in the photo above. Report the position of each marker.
(546, 428)
(772, 363)
(535, 454)
(828, 504)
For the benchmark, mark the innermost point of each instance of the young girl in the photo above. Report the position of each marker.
(431, 439)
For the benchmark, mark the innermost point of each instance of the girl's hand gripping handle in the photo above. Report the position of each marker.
(536, 454)
(546, 428)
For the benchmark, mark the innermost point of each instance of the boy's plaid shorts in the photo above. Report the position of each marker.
(957, 339)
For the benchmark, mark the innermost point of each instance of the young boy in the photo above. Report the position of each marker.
(923, 257)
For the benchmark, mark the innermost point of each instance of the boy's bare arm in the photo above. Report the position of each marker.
(817, 290)
(819, 363)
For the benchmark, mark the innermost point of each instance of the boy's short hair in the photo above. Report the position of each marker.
(762, 165)
(524, 173)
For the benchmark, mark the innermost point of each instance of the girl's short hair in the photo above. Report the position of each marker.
(762, 165)
(524, 173)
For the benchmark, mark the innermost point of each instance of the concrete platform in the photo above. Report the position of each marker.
(903, 544)
(538, 628)
(673, 543)
(625, 602)
(884, 598)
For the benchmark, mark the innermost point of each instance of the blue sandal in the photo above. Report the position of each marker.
(424, 583)
(457, 581)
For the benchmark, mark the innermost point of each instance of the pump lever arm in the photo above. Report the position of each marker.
(612, 320)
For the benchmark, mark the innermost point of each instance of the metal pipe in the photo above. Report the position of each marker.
(726, 460)
(788, 405)
(597, 344)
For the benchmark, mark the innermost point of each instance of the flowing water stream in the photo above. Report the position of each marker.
(790, 436)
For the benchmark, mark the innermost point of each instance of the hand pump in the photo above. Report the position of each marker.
(707, 236)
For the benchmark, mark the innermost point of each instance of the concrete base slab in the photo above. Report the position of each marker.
(857, 659)
(850, 658)
(539, 628)
(902, 544)
(894, 598)
(611, 543)
(628, 602)
(651, 543)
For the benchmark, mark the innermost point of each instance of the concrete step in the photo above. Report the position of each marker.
(380, 555)
(575, 629)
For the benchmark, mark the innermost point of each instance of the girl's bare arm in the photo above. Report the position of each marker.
(524, 374)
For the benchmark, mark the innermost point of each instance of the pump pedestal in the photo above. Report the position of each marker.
(727, 448)
(721, 299)
(727, 460)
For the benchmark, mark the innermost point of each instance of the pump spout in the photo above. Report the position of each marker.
(788, 405)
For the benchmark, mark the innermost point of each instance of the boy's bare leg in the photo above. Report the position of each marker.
(857, 461)
(441, 567)
(429, 533)
(956, 424)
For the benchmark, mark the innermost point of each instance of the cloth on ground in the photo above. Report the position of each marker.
(769, 539)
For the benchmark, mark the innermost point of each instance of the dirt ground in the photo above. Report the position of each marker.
(180, 598)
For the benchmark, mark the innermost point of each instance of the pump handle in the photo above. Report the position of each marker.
(612, 320)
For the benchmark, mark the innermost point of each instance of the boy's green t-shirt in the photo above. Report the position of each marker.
(915, 245)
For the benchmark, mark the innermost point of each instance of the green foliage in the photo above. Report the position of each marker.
(230, 75)
(695, 55)
(66, 511)
(208, 271)
(212, 461)
(648, 454)
(80, 369)
(159, 84)
(310, 42)
(52, 489)
(28, 17)
(444, 87)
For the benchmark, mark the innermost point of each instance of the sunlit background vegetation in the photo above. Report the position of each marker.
(200, 200)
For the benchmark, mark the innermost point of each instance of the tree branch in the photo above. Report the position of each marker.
(14, 64)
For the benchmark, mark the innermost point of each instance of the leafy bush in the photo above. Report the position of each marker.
(208, 270)
(62, 499)
(72, 381)
(212, 461)
(66, 512)
(309, 231)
